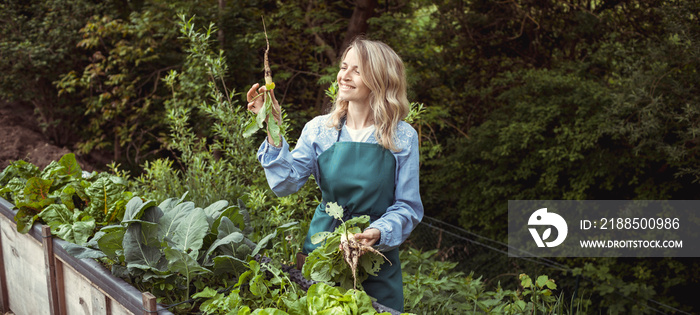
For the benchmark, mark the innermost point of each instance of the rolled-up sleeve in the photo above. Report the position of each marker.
(287, 171)
(407, 210)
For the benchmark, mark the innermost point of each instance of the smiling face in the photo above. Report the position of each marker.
(351, 88)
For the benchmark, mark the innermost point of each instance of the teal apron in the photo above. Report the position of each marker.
(360, 177)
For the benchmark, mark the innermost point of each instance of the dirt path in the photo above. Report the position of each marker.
(21, 139)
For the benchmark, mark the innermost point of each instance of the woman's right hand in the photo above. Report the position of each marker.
(256, 99)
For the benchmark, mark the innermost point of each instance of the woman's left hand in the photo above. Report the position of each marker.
(369, 237)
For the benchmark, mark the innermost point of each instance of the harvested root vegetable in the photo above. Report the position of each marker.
(352, 250)
(325, 263)
(274, 128)
(268, 73)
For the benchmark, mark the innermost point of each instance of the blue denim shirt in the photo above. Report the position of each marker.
(287, 171)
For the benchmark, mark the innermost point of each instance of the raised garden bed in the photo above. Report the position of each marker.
(37, 277)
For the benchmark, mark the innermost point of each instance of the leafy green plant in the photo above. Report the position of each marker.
(262, 286)
(220, 301)
(325, 299)
(168, 248)
(72, 203)
(432, 287)
(540, 292)
(328, 262)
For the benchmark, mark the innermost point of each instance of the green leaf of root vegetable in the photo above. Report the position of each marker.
(275, 131)
(334, 210)
(250, 128)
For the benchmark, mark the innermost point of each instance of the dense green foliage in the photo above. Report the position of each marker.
(72, 203)
(38, 44)
(585, 99)
(432, 286)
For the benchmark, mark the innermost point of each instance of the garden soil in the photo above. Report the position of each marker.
(21, 139)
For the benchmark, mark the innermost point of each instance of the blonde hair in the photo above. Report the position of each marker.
(383, 73)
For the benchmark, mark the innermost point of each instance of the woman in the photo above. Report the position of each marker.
(362, 155)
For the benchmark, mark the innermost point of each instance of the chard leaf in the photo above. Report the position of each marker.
(52, 171)
(18, 169)
(105, 194)
(81, 252)
(76, 230)
(184, 264)
(117, 211)
(70, 166)
(56, 213)
(25, 219)
(15, 187)
(36, 192)
(34, 207)
(34, 199)
(72, 193)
